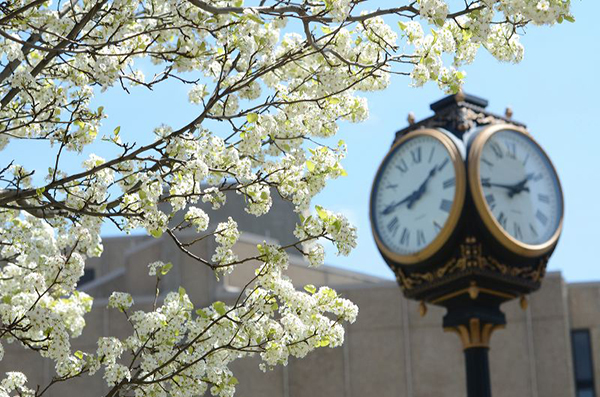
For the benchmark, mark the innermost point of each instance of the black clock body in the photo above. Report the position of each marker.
(482, 261)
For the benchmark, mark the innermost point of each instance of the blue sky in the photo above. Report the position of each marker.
(554, 90)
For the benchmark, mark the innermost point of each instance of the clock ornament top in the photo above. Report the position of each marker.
(466, 204)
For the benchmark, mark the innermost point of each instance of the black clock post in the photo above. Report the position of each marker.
(482, 261)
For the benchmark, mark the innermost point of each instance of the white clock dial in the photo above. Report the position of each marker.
(520, 187)
(415, 193)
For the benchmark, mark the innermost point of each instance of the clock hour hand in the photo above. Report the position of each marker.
(519, 187)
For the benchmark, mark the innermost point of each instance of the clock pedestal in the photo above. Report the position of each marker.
(477, 268)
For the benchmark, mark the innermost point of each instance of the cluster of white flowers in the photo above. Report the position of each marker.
(198, 218)
(120, 300)
(226, 235)
(491, 24)
(434, 10)
(330, 224)
(15, 381)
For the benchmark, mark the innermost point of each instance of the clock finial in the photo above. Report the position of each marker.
(410, 118)
(508, 112)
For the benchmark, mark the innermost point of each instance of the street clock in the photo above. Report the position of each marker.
(466, 209)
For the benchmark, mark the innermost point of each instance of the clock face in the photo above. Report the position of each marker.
(517, 190)
(417, 196)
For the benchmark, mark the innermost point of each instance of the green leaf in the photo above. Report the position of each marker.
(117, 130)
(219, 307)
(181, 292)
(165, 269)
(78, 354)
(325, 29)
(252, 117)
(321, 212)
(201, 313)
(343, 172)
(233, 381)
(156, 233)
(310, 165)
(100, 109)
(402, 25)
(255, 19)
(310, 288)
(40, 190)
(569, 18)
(333, 100)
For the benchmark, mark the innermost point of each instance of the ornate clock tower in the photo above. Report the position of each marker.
(466, 208)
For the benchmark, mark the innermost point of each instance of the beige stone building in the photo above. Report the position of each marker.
(551, 349)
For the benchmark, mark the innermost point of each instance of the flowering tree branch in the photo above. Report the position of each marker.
(280, 75)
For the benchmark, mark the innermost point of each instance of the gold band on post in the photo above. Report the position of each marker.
(476, 335)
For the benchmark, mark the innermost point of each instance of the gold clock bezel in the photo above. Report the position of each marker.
(489, 220)
(455, 211)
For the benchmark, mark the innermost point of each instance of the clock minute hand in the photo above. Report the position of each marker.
(419, 192)
(414, 196)
(513, 189)
(390, 208)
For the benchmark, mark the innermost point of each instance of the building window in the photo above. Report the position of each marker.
(583, 363)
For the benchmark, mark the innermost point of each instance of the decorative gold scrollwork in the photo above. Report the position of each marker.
(471, 256)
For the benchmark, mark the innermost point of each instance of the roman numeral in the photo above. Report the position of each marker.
(446, 205)
(544, 198)
(416, 155)
(437, 227)
(441, 166)
(402, 166)
(533, 231)
(487, 162)
(496, 149)
(537, 177)
(526, 158)
(541, 217)
(485, 182)
(511, 150)
(518, 233)
(393, 226)
(431, 155)
(420, 237)
(502, 220)
(449, 183)
(405, 237)
(490, 199)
